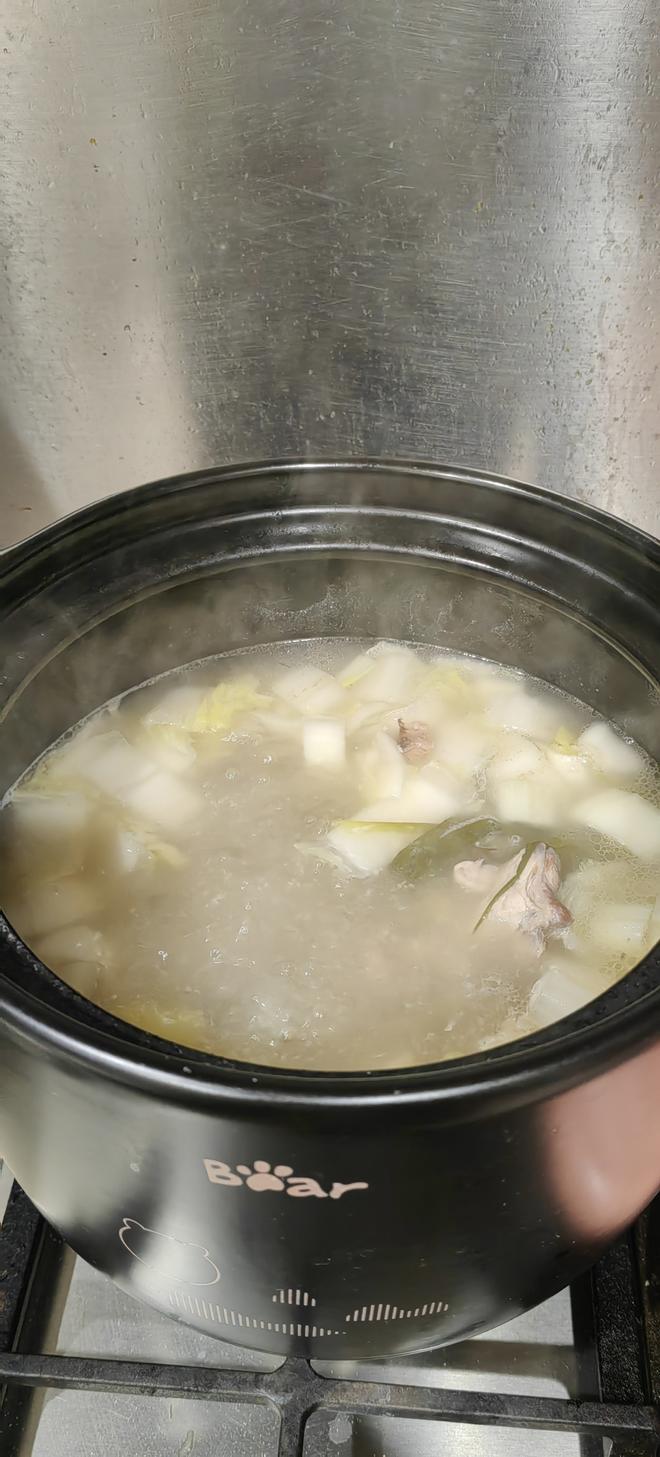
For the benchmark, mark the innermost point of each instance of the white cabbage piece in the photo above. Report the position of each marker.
(527, 801)
(169, 748)
(113, 765)
(279, 721)
(366, 719)
(176, 708)
(610, 753)
(310, 691)
(540, 718)
(83, 976)
(56, 903)
(428, 797)
(130, 847)
(222, 707)
(355, 670)
(324, 743)
(573, 768)
(163, 800)
(515, 756)
(623, 816)
(73, 943)
(50, 817)
(590, 883)
(126, 851)
(318, 850)
(121, 771)
(393, 676)
(463, 747)
(368, 848)
(563, 988)
(62, 769)
(381, 768)
(622, 926)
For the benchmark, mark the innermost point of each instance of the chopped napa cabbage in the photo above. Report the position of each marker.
(624, 817)
(563, 989)
(186, 710)
(539, 718)
(165, 854)
(56, 903)
(176, 709)
(124, 772)
(463, 748)
(564, 742)
(310, 691)
(316, 850)
(453, 688)
(223, 705)
(73, 943)
(278, 721)
(574, 769)
(83, 976)
(324, 743)
(53, 817)
(113, 765)
(164, 800)
(168, 747)
(368, 848)
(515, 757)
(132, 846)
(381, 768)
(622, 926)
(355, 670)
(366, 718)
(610, 753)
(392, 678)
(584, 887)
(526, 801)
(427, 798)
(126, 851)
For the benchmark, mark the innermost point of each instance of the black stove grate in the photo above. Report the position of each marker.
(616, 1316)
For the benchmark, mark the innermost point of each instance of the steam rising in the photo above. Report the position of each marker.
(184, 582)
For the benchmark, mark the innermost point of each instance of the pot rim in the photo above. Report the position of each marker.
(624, 1019)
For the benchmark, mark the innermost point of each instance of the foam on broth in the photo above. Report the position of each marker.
(257, 856)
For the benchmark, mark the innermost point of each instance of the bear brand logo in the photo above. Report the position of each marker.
(262, 1177)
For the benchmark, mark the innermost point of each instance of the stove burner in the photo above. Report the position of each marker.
(617, 1332)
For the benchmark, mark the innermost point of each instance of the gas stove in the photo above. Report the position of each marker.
(88, 1371)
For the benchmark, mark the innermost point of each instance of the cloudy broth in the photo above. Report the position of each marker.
(337, 856)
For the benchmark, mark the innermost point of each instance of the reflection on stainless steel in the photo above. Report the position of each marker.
(238, 231)
(388, 1437)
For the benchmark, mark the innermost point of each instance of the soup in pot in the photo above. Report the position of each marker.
(336, 856)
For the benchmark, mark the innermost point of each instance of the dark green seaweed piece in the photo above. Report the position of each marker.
(442, 846)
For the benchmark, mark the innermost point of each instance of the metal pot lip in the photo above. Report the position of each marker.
(121, 501)
(620, 1023)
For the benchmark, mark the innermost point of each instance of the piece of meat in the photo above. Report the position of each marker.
(530, 904)
(415, 742)
(480, 878)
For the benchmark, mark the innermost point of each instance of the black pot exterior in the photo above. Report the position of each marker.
(328, 1215)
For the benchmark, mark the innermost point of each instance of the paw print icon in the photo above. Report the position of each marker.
(170, 1258)
(263, 1177)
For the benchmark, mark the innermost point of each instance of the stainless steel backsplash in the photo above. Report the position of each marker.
(402, 227)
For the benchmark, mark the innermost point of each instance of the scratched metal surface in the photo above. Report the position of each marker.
(233, 231)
